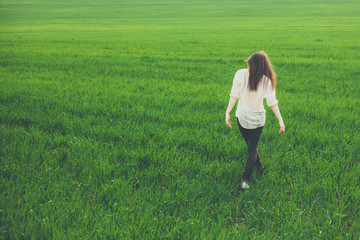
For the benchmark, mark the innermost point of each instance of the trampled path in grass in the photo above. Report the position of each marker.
(112, 120)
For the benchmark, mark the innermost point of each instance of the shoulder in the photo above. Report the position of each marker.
(267, 82)
(242, 73)
(268, 85)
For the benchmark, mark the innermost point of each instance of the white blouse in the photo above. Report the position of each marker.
(250, 109)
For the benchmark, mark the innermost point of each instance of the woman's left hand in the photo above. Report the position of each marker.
(227, 120)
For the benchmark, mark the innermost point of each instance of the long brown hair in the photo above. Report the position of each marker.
(259, 66)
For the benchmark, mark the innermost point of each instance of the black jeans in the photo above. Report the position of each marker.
(251, 137)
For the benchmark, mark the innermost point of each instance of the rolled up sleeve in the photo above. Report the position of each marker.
(235, 90)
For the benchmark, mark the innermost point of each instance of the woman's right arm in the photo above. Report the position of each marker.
(277, 113)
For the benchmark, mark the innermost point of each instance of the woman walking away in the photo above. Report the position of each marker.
(250, 87)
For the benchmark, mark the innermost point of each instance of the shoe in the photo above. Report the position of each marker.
(244, 185)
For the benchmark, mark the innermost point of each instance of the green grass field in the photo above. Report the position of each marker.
(112, 120)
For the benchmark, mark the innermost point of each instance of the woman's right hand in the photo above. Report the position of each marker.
(282, 128)
(276, 111)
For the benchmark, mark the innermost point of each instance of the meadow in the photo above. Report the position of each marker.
(112, 120)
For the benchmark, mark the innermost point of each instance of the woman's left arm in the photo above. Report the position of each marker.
(234, 96)
(231, 104)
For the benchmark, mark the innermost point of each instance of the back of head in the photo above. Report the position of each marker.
(259, 66)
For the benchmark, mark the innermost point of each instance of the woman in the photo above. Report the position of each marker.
(250, 87)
